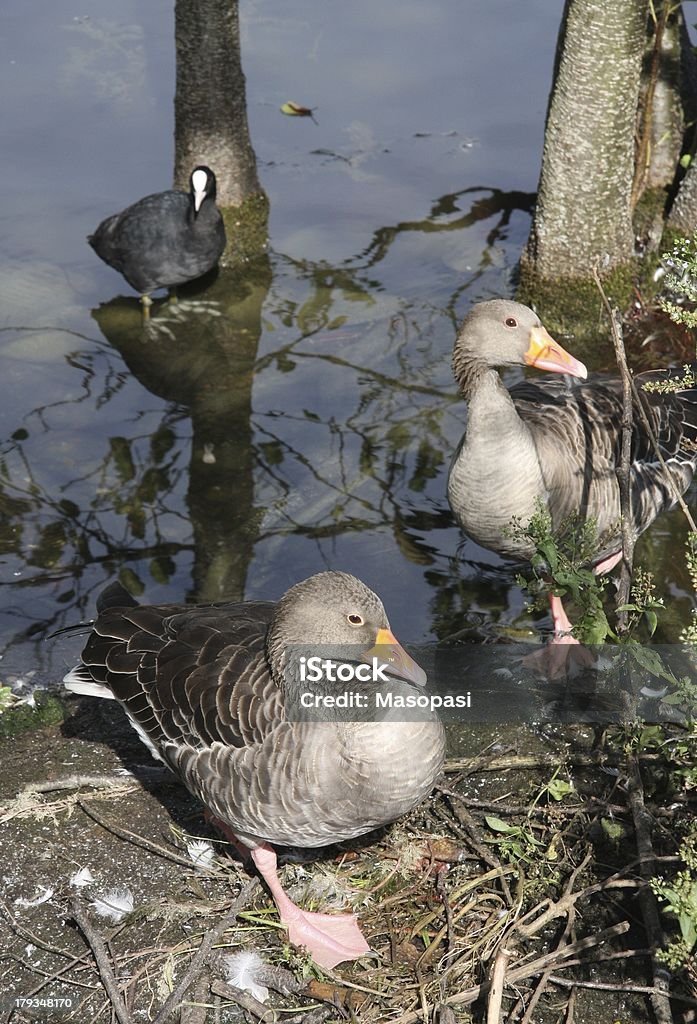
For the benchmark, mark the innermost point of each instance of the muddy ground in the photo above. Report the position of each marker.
(429, 882)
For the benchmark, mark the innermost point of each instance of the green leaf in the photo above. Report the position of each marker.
(558, 789)
(497, 825)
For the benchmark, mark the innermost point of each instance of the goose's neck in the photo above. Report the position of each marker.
(485, 393)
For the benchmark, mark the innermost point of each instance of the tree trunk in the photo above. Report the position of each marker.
(584, 210)
(210, 117)
(683, 216)
(661, 115)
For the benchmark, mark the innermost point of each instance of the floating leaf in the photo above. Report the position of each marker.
(297, 110)
(685, 160)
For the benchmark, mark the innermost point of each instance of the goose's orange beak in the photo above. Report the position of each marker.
(390, 653)
(545, 353)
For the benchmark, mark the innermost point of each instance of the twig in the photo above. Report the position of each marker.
(131, 837)
(196, 1011)
(623, 479)
(465, 818)
(78, 781)
(237, 995)
(564, 938)
(660, 999)
(36, 940)
(535, 967)
(498, 980)
(616, 987)
(203, 951)
(525, 762)
(98, 947)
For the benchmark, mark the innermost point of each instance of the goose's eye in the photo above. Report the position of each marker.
(355, 620)
(511, 321)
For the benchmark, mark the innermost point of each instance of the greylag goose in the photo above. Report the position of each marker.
(557, 443)
(211, 690)
(165, 239)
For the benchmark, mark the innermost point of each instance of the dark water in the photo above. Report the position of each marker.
(308, 419)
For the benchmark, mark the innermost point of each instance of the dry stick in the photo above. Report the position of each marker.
(660, 999)
(245, 1000)
(615, 987)
(564, 938)
(557, 958)
(462, 813)
(131, 837)
(196, 1012)
(524, 762)
(203, 951)
(628, 532)
(498, 981)
(98, 947)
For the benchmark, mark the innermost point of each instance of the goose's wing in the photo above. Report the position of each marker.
(670, 405)
(576, 430)
(189, 676)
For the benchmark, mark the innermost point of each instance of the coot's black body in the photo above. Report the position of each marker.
(165, 239)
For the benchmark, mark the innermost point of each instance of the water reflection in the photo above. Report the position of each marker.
(200, 353)
(280, 419)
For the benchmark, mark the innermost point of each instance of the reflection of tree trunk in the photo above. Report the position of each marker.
(211, 116)
(584, 203)
(206, 363)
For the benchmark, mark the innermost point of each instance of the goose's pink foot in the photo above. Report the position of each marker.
(564, 653)
(562, 624)
(329, 938)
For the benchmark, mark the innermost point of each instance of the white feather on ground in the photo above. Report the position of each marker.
(241, 970)
(115, 904)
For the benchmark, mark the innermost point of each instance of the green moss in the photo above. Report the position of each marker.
(47, 710)
(247, 230)
(573, 305)
(649, 214)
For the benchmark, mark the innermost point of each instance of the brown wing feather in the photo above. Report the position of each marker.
(195, 676)
(577, 433)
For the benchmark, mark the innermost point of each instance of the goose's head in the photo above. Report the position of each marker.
(505, 333)
(335, 615)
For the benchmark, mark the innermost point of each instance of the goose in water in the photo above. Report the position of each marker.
(556, 442)
(165, 239)
(214, 691)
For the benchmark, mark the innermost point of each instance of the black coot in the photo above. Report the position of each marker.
(165, 239)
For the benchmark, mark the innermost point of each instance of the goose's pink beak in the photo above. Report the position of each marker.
(545, 353)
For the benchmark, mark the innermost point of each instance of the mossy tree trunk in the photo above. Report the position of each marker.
(210, 112)
(622, 109)
(584, 212)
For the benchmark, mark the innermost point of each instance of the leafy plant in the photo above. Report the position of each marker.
(681, 280)
(679, 898)
(560, 566)
(515, 842)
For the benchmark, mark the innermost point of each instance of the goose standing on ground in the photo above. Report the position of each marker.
(557, 443)
(209, 689)
(165, 239)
